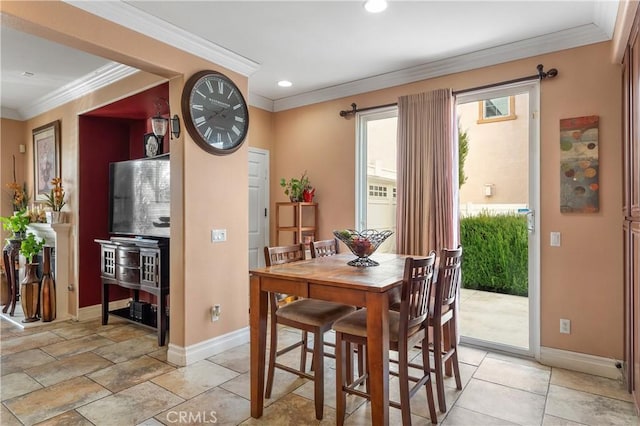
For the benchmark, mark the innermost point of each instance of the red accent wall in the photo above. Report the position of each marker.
(110, 133)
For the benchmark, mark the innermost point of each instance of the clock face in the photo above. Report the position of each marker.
(216, 114)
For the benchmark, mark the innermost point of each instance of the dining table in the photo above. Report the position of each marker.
(330, 278)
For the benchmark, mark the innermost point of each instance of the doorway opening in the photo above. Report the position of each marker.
(498, 199)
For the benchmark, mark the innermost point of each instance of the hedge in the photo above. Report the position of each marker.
(495, 253)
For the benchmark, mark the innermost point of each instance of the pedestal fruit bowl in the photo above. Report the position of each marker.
(363, 244)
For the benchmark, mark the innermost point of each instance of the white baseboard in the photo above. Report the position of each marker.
(188, 355)
(95, 311)
(591, 364)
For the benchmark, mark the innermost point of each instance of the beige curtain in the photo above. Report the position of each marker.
(427, 216)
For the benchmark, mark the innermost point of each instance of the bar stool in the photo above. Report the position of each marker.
(407, 328)
(308, 315)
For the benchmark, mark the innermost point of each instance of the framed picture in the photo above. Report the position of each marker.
(46, 158)
(152, 145)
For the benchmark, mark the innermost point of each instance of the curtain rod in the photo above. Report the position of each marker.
(541, 75)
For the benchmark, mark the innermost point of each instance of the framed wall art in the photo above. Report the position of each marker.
(46, 158)
(579, 165)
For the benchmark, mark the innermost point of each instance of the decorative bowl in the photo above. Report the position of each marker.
(363, 244)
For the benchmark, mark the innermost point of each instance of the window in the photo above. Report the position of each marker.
(496, 109)
(377, 191)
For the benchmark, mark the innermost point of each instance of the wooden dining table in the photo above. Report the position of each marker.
(330, 278)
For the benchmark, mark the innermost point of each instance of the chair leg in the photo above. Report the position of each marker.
(426, 368)
(273, 348)
(437, 360)
(447, 346)
(361, 369)
(318, 381)
(303, 353)
(349, 363)
(403, 378)
(454, 355)
(341, 366)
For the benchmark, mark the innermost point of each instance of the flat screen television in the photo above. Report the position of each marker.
(139, 197)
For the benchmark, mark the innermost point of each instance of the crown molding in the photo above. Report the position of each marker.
(604, 15)
(567, 39)
(144, 23)
(259, 101)
(101, 77)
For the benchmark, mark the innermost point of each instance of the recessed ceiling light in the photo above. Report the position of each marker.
(375, 6)
(285, 83)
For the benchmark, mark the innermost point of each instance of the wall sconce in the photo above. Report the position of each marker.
(488, 189)
(159, 124)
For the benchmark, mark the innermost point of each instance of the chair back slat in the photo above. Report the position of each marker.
(449, 278)
(283, 254)
(416, 292)
(324, 248)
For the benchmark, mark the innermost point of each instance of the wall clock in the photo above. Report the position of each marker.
(215, 112)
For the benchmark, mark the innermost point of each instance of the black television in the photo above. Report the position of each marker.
(139, 197)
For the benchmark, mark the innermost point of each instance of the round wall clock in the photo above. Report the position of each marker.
(215, 112)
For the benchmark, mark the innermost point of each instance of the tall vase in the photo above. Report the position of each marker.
(29, 292)
(47, 289)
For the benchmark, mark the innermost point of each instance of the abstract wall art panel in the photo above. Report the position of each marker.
(579, 167)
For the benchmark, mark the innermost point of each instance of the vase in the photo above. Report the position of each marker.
(55, 217)
(47, 289)
(29, 292)
(4, 289)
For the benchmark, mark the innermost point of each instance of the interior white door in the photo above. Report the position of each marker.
(258, 205)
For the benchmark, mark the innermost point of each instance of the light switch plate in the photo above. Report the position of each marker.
(218, 235)
(555, 239)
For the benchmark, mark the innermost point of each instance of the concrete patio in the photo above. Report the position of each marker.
(495, 317)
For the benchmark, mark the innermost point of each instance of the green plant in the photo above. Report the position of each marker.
(17, 223)
(463, 151)
(31, 246)
(495, 253)
(294, 187)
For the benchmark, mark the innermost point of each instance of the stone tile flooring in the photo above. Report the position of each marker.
(83, 373)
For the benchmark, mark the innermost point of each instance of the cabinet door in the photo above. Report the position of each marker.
(633, 148)
(632, 256)
(150, 267)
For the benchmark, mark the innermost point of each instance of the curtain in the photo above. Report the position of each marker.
(427, 215)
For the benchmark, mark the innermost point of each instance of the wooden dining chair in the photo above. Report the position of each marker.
(443, 319)
(324, 248)
(407, 328)
(310, 316)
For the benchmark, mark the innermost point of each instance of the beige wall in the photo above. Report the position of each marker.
(582, 280)
(12, 135)
(498, 155)
(204, 187)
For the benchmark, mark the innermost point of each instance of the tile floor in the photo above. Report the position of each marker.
(84, 373)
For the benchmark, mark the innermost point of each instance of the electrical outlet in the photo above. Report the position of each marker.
(565, 326)
(215, 313)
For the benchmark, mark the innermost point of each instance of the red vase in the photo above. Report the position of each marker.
(308, 194)
(29, 292)
(47, 289)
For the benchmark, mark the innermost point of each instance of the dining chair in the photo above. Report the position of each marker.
(309, 316)
(324, 248)
(407, 327)
(443, 320)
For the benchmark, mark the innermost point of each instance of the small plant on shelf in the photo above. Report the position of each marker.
(295, 188)
(31, 246)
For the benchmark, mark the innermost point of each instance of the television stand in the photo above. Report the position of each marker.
(139, 264)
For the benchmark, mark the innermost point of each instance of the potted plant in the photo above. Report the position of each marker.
(20, 196)
(55, 200)
(295, 188)
(16, 224)
(30, 285)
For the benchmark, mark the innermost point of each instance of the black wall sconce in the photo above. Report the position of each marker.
(159, 124)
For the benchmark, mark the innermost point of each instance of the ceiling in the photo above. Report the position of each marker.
(327, 49)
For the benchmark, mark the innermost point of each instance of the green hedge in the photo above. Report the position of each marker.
(495, 253)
